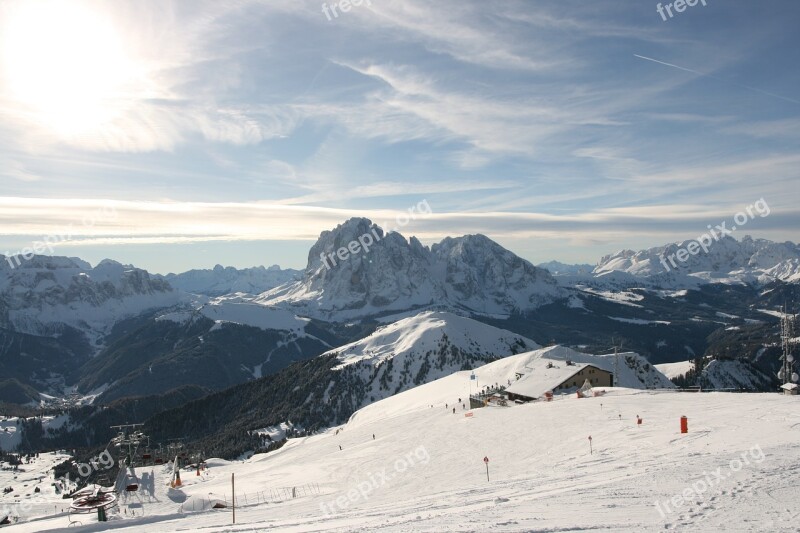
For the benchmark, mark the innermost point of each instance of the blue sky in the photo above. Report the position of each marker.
(235, 132)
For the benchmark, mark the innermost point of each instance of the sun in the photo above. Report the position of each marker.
(64, 64)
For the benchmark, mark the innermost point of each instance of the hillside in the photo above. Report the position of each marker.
(424, 471)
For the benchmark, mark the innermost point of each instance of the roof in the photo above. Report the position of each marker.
(539, 378)
(789, 386)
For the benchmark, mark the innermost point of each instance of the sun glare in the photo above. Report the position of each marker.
(65, 63)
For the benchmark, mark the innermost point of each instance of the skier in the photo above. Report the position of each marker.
(373, 436)
(454, 410)
(340, 447)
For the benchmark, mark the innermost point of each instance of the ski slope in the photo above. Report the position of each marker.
(424, 470)
(674, 370)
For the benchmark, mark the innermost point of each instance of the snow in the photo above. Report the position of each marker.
(574, 302)
(45, 293)
(622, 298)
(424, 471)
(727, 261)
(226, 280)
(776, 314)
(28, 477)
(422, 333)
(639, 321)
(470, 273)
(252, 314)
(674, 370)
(671, 293)
(11, 434)
(276, 433)
(180, 317)
(547, 368)
(722, 374)
(544, 376)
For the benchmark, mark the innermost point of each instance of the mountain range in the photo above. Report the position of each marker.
(220, 280)
(373, 322)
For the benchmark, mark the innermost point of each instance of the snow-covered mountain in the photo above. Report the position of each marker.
(44, 295)
(420, 349)
(414, 336)
(727, 260)
(226, 280)
(558, 268)
(471, 273)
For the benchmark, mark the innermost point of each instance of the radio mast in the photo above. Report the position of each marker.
(788, 373)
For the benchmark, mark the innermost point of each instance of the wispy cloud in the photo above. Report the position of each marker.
(264, 120)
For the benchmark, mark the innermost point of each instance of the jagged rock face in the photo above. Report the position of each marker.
(472, 273)
(486, 277)
(227, 280)
(43, 295)
(391, 270)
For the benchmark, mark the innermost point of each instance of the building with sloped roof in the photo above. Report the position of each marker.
(553, 375)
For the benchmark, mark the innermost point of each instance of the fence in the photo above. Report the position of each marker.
(269, 495)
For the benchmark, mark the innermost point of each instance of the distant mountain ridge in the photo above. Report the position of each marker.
(105, 328)
(558, 268)
(727, 260)
(228, 280)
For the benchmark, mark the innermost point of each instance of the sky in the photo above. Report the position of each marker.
(183, 134)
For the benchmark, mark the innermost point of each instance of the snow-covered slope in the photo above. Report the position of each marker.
(226, 280)
(674, 370)
(634, 372)
(44, 294)
(471, 273)
(414, 336)
(727, 260)
(223, 311)
(412, 351)
(723, 374)
(422, 469)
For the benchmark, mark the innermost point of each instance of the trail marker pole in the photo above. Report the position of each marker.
(591, 452)
(486, 462)
(233, 499)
